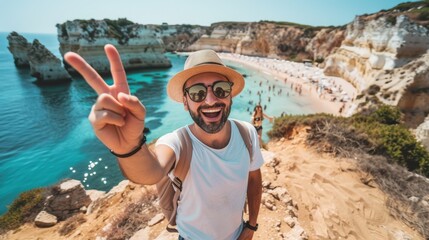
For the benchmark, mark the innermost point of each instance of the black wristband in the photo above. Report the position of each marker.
(247, 225)
(134, 151)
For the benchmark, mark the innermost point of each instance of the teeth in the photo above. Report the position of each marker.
(210, 110)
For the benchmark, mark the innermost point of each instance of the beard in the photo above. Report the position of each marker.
(212, 127)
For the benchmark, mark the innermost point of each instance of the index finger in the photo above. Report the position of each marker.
(88, 73)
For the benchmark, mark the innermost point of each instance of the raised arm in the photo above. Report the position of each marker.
(271, 119)
(118, 120)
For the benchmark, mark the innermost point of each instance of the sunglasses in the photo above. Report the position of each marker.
(198, 92)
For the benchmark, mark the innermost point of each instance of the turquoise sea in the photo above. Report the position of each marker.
(45, 135)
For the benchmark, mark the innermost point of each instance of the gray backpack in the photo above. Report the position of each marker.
(170, 186)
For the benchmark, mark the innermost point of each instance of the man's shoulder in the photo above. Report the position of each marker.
(171, 136)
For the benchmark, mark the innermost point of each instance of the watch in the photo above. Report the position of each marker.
(247, 225)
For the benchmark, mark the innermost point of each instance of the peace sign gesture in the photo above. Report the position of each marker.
(117, 117)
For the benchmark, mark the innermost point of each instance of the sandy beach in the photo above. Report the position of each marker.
(327, 94)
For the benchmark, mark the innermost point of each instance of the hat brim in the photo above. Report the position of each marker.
(175, 85)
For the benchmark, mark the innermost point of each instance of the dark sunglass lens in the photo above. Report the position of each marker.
(222, 89)
(197, 93)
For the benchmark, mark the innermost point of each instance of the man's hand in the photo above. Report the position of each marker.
(117, 117)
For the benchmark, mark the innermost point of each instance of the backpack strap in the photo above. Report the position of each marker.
(182, 166)
(244, 132)
(180, 171)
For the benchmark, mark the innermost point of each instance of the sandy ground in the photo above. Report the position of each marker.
(333, 203)
(327, 94)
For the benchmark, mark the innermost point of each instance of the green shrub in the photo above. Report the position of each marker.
(124, 22)
(22, 209)
(387, 115)
(406, 6)
(398, 143)
(391, 19)
(423, 16)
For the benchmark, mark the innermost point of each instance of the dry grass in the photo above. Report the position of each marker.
(135, 217)
(400, 185)
(329, 135)
(394, 180)
(72, 224)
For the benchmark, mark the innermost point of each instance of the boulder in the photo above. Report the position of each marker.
(45, 219)
(157, 219)
(67, 198)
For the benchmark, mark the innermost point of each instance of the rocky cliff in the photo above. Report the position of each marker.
(19, 46)
(385, 56)
(179, 37)
(138, 44)
(372, 46)
(271, 39)
(44, 65)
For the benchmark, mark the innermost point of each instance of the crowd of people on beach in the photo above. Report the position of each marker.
(302, 78)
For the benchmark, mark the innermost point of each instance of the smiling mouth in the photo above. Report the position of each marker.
(211, 112)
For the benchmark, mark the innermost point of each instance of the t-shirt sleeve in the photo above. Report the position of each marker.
(258, 160)
(172, 141)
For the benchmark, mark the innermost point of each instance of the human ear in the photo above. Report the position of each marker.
(185, 103)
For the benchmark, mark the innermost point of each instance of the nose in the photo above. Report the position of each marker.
(210, 98)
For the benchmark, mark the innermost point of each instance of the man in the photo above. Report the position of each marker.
(220, 175)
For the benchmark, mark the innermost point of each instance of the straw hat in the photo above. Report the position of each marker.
(201, 62)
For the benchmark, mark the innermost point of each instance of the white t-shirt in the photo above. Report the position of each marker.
(214, 191)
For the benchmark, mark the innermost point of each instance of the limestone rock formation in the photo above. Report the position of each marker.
(19, 46)
(384, 56)
(270, 39)
(44, 65)
(179, 37)
(138, 44)
(372, 46)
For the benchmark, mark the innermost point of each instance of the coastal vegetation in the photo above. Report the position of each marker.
(383, 148)
(291, 24)
(23, 209)
(414, 6)
(119, 29)
(418, 11)
(376, 132)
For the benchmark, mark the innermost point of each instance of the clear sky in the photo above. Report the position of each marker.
(33, 16)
